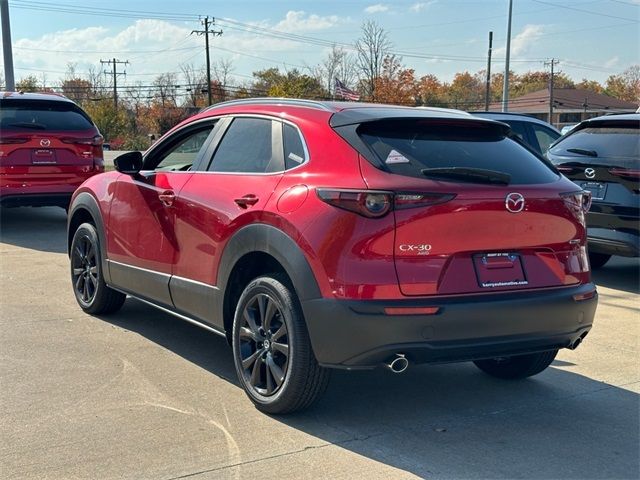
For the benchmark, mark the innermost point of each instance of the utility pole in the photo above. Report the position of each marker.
(206, 32)
(115, 64)
(505, 84)
(488, 91)
(6, 47)
(553, 62)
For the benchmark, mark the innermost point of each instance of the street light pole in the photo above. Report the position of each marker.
(505, 85)
(6, 47)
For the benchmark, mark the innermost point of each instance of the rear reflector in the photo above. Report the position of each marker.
(411, 310)
(578, 297)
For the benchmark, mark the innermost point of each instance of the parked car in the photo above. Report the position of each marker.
(48, 147)
(318, 235)
(536, 133)
(602, 155)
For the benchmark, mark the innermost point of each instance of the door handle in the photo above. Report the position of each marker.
(167, 198)
(246, 201)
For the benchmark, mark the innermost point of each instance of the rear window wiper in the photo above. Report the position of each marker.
(464, 174)
(35, 126)
(582, 151)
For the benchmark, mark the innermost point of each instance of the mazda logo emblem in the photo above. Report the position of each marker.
(514, 202)
(589, 172)
(45, 142)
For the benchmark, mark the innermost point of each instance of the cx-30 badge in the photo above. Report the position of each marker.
(45, 142)
(589, 172)
(514, 202)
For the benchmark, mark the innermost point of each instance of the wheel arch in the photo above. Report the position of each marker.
(256, 250)
(85, 209)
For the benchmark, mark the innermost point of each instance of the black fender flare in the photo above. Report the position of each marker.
(86, 201)
(260, 237)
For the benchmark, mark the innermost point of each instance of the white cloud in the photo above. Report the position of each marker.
(420, 6)
(377, 8)
(523, 41)
(612, 62)
(295, 21)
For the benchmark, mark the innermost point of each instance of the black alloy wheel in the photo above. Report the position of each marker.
(264, 344)
(84, 270)
(272, 350)
(92, 293)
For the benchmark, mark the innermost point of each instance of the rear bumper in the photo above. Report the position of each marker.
(613, 242)
(358, 334)
(36, 200)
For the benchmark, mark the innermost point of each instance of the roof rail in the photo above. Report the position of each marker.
(297, 102)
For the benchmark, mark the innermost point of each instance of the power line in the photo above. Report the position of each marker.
(115, 64)
(206, 32)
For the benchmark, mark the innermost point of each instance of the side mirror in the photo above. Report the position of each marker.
(129, 163)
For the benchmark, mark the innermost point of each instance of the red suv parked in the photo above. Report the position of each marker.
(48, 147)
(342, 235)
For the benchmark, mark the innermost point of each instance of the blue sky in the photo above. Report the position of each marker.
(592, 39)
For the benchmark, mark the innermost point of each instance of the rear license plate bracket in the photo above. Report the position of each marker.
(598, 190)
(499, 270)
(43, 156)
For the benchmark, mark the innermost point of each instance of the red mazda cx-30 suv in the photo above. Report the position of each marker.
(318, 235)
(48, 147)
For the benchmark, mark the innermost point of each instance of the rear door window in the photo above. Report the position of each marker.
(42, 115)
(248, 147)
(544, 136)
(406, 147)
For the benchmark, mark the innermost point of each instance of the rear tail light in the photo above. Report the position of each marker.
(578, 200)
(372, 204)
(13, 140)
(625, 172)
(97, 140)
(376, 204)
(565, 169)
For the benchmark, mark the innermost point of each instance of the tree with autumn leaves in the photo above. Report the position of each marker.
(370, 68)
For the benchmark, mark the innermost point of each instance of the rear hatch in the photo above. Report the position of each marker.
(47, 141)
(603, 157)
(475, 211)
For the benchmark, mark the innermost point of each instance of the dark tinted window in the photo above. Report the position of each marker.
(246, 147)
(294, 153)
(519, 129)
(42, 115)
(544, 136)
(407, 147)
(610, 144)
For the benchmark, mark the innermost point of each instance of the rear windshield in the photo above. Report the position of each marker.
(604, 145)
(42, 115)
(407, 147)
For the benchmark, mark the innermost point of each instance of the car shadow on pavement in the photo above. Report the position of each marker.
(448, 421)
(38, 228)
(619, 273)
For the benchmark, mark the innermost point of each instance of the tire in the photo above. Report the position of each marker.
(271, 348)
(597, 260)
(517, 367)
(91, 292)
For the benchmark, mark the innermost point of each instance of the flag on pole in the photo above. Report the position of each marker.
(342, 91)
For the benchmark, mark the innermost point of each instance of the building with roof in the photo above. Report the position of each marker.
(570, 105)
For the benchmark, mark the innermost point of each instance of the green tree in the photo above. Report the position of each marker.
(29, 83)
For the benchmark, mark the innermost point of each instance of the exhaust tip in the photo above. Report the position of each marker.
(399, 364)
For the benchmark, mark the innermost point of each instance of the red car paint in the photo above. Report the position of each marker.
(352, 257)
(43, 164)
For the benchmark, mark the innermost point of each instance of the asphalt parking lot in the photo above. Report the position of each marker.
(140, 394)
